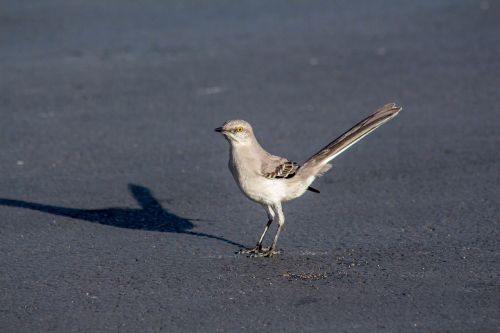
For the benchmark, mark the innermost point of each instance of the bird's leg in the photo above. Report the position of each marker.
(259, 243)
(281, 222)
(258, 248)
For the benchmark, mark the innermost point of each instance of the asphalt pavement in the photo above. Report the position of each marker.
(118, 212)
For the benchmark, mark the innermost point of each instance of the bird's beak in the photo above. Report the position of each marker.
(219, 129)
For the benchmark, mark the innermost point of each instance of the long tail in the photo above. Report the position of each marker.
(318, 163)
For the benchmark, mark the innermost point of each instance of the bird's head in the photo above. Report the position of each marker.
(236, 131)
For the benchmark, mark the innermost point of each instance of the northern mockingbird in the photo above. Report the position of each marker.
(270, 180)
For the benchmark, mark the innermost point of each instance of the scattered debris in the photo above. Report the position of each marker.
(304, 276)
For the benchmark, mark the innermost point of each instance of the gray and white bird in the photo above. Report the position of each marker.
(270, 180)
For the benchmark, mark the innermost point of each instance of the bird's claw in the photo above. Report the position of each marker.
(255, 250)
(268, 253)
(259, 251)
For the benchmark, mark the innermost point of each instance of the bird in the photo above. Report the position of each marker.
(271, 180)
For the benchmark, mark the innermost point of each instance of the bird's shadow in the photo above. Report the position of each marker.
(151, 216)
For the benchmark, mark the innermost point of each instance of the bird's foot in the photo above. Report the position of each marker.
(255, 250)
(267, 253)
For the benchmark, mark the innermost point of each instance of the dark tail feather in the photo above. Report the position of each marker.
(346, 140)
(312, 189)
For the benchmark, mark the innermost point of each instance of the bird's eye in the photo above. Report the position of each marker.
(239, 129)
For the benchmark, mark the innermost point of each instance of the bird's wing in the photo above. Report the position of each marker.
(279, 167)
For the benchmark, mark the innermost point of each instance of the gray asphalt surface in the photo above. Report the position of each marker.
(118, 213)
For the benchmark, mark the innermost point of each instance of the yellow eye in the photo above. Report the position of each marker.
(239, 129)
